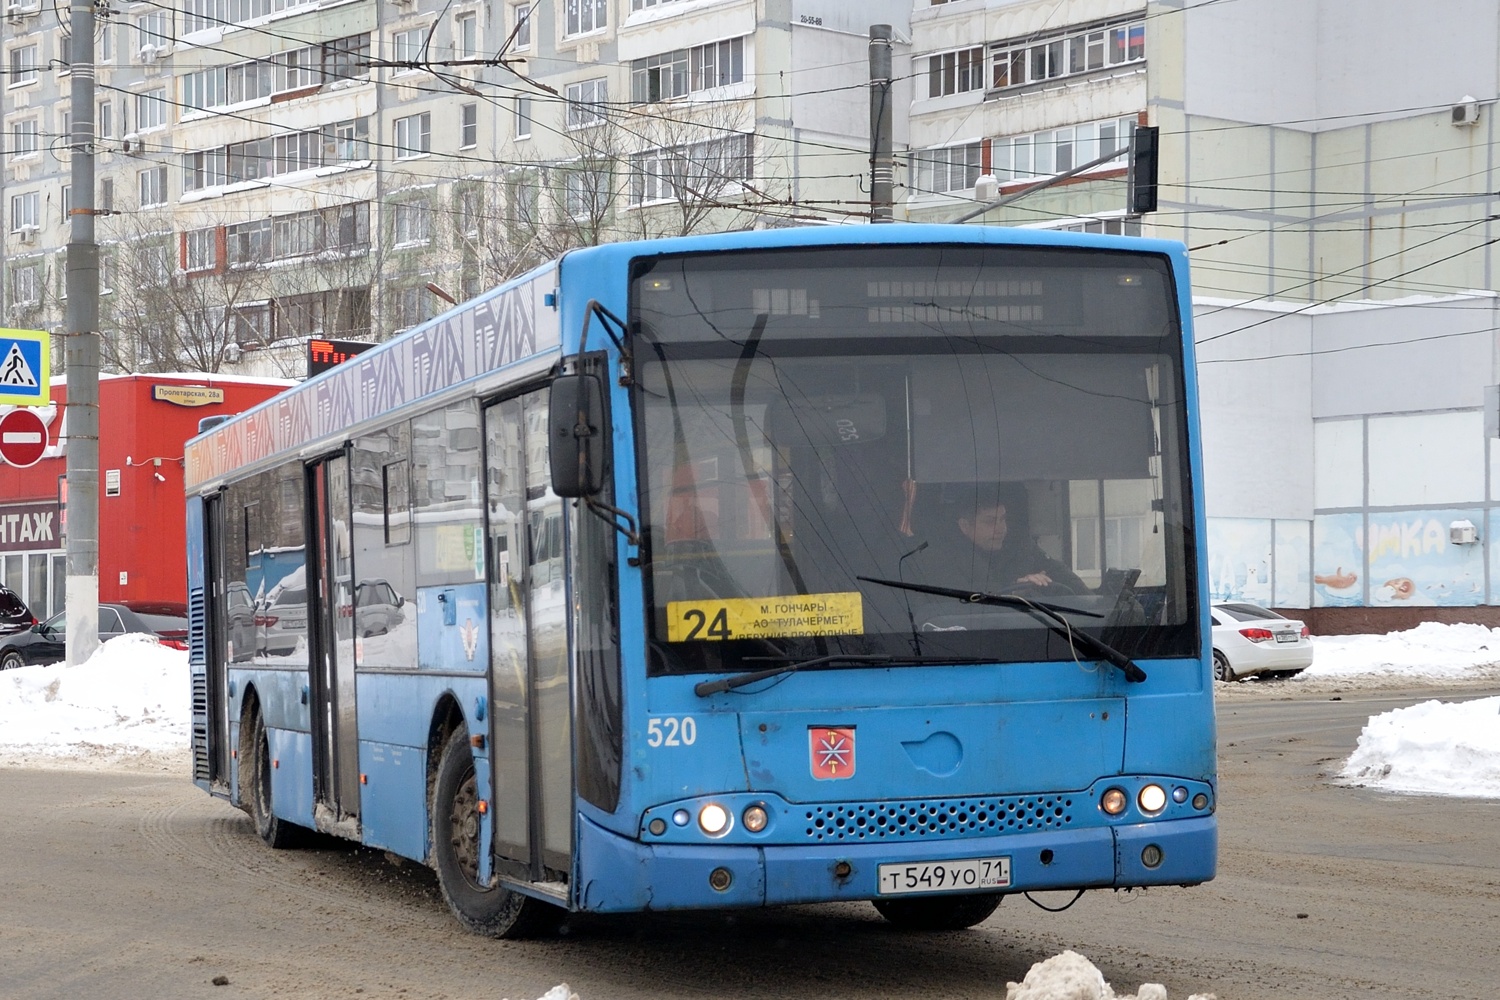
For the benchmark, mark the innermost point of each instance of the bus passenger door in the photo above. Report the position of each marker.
(335, 738)
(531, 740)
(218, 646)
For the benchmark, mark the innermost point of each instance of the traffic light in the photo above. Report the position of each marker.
(1141, 177)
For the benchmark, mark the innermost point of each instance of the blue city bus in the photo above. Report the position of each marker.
(779, 567)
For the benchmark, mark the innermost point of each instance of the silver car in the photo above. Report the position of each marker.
(1251, 641)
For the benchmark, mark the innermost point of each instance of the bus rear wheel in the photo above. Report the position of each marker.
(493, 911)
(938, 913)
(255, 785)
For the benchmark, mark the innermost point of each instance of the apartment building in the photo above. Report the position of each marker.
(1010, 93)
(273, 170)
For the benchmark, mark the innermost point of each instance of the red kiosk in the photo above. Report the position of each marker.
(143, 422)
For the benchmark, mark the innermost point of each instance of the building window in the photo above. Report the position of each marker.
(523, 117)
(717, 64)
(951, 168)
(22, 65)
(252, 324)
(26, 285)
(346, 59)
(200, 15)
(699, 170)
(521, 26)
(296, 69)
(411, 223)
(406, 49)
(580, 16)
(956, 72)
(466, 35)
(468, 126)
(413, 135)
(331, 145)
(412, 305)
(470, 209)
(153, 186)
(107, 194)
(67, 204)
(1114, 226)
(1014, 64)
(25, 211)
(105, 123)
(586, 191)
(1042, 154)
(202, 250)
(151, 109)
(685, 71)
(154, 29)
(105, 51)
(248, 244)
(23, 138)
(585, 101)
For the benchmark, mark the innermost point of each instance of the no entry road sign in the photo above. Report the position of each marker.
(23, 438)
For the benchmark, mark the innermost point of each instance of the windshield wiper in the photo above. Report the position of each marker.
(705, 688)
(1049, 615)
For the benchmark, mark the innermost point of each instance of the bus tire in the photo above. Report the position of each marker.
(255, 785)
(938, 913)
(492, 911)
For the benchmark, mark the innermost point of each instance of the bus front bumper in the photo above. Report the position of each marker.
(619, 875)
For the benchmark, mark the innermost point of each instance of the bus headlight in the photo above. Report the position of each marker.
(1113, 801)
(754, 819)
(713, 819)
(1152, 799)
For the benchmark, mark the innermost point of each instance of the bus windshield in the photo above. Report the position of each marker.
(818, 427)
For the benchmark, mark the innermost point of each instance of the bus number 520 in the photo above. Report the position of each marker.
(672, 732)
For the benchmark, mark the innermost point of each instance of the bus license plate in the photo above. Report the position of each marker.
(944, 876)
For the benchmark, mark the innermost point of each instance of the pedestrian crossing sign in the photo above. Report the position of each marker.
(25, 370)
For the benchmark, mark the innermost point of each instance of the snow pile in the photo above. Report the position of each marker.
(1070, 976)
(1431, 650)
(132, 695)
(1433, 748)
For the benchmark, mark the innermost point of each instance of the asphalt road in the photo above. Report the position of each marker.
(128, 884)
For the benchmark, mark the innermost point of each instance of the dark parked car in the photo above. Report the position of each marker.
(47, 642)
(15, 616)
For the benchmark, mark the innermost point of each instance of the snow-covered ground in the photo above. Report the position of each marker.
(130, 704)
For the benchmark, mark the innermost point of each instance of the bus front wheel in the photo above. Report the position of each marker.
(493, 911)
(938, 913)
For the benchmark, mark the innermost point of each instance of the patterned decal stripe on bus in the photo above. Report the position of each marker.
(489, 333)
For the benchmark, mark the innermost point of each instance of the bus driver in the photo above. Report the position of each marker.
(994, 551)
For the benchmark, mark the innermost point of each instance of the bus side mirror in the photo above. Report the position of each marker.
(574, 414)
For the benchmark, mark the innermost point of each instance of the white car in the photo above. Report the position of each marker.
(1251, 641)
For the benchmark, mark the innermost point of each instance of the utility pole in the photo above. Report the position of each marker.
(81, 352)
(882, 161)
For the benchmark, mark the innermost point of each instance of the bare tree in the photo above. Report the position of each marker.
(692, 172)
(206, 298)
(168, 301)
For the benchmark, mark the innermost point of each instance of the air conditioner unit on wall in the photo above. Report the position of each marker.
(1466, 111)
(148, 53)
(26, 234)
